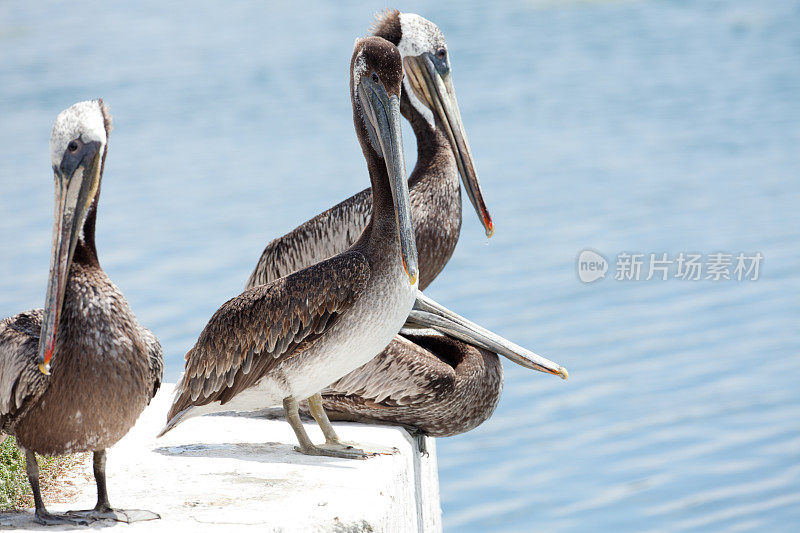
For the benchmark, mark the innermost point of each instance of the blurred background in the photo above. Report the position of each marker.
(621, 126)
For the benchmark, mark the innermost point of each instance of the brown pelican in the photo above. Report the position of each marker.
(439, 381)
(284, 341)
(75, 376)
(440, 386)
(429, 103)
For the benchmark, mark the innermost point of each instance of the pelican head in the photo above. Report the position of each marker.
(377, 72)
(77, 149)
(429, 87)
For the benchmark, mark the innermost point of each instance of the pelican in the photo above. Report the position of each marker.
(75, 376)
(444, 384)
(282, 342)
(441, 377)
(428, 102)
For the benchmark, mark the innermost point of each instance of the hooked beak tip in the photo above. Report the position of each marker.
(412, 276)
(487, 222)
(44, 361)
(563, 373)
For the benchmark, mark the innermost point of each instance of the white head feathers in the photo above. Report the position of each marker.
(83, 120)
(417, 36)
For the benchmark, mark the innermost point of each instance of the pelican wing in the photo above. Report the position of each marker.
(405, 373)
(155, 354)
(21, 383)
(250, 334)
(327, 234)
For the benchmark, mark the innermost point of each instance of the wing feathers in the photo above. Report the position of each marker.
(250, 334)
(329, 233)
(21, 383)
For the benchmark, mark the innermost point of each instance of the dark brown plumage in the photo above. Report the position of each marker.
(387, 25)
(105, 366)
(90, 400)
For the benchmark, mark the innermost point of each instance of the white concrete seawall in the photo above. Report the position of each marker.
(241, 473)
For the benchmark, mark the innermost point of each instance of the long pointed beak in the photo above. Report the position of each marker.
(429, 314)
(74, 192)
(438, 91)
(384, 114)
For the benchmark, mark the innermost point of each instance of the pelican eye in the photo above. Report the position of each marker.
(441, 53)
(73, 146)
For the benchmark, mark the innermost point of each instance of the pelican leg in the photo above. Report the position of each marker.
(319, 414)
(330, 449)
(420, 441)
(103, 509)
(99, 468)
(292, 411)
(42, 515)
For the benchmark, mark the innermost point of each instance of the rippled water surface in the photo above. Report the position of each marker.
(617, 125)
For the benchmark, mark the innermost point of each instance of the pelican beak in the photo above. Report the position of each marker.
(383, 115)
(76, 183)
(430, 314)
(434, 87)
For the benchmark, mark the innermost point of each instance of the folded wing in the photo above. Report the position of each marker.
(21, 382)
(252, 333)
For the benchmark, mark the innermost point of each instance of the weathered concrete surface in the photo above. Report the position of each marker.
(241, 473)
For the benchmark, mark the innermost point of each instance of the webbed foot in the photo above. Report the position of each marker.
(48, 519)
(346, 450)
(128, 516)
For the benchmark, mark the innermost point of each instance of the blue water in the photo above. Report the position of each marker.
(616, 125)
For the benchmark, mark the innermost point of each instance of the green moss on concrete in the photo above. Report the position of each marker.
(15, 492)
